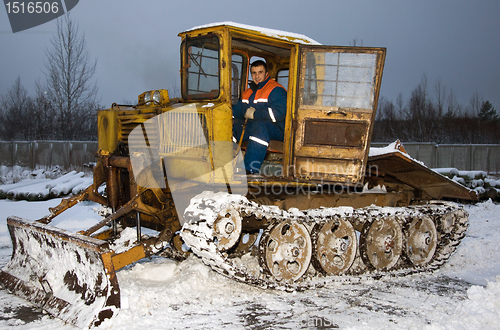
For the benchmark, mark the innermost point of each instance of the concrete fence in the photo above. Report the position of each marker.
(67, 154)
(465, 157)
(74, 154)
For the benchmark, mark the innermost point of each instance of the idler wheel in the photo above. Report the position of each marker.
(285, 250)
(227, 230)
(334, 246)
(421, 241)
(381, 243)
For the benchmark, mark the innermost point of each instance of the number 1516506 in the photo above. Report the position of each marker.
(38, 7)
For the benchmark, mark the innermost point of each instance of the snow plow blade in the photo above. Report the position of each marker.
(69, 275)
(403, 169)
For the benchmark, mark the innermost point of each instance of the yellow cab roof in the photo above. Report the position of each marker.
(253, 30)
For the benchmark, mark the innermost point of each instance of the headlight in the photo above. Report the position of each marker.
(156, 96)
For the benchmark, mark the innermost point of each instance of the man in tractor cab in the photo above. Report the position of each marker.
(263, 108)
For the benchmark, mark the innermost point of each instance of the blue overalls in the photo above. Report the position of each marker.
(269, 100)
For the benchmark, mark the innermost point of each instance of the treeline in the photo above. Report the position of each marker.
(65, 106)
(27, 118)
(436, 117)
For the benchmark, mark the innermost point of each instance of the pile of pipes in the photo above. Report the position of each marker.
(43, 189)
(485, 187)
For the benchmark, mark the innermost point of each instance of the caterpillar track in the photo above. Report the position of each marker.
(300, 250)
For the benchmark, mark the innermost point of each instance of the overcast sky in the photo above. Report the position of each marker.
(137, 47)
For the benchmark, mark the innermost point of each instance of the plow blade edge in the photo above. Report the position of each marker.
(69, 275)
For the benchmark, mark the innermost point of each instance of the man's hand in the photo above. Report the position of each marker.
(249, 113)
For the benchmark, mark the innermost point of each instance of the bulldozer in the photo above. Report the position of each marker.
(325, 205)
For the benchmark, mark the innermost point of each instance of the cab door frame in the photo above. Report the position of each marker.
(335, 106)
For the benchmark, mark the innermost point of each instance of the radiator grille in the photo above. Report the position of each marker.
(128, 120)
(183, 132)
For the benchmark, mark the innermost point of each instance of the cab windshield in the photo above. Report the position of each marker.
(202, 69)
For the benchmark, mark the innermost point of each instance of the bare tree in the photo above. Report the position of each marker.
(387, 119)
(454, 108)
(400, 107)
(356, 43)
(70, 87)
(421, 114)
(15, 116)
(44, 115)
(440, 90)
(475, 104)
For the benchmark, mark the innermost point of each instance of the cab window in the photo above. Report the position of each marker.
(282, 78)
(238, 63)
(202, 58)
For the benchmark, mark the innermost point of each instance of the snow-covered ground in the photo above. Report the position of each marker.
(162, 294)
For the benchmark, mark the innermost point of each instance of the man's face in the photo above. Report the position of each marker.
(258, 73)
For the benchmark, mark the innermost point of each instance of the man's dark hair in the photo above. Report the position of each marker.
(259, 63)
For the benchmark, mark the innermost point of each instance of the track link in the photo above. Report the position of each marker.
(200, 233)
